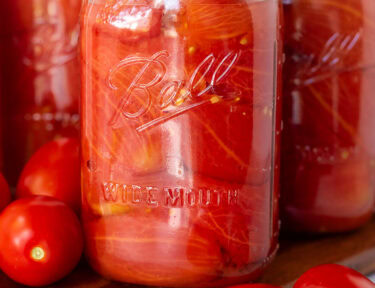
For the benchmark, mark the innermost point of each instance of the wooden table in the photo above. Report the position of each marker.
(296, 255)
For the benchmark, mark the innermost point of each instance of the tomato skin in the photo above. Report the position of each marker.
(43, 226)
(5, 195)
(333, 276)
(254, 286)
(54, 170)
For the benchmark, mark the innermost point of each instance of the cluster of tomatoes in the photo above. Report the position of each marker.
(41, 239)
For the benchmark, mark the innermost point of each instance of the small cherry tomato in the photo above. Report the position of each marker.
(41, 240)
(254, 286)
(54, 170)
(333, 276)
(5, 195)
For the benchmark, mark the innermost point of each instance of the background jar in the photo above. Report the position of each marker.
(328, 110)
(40, 77)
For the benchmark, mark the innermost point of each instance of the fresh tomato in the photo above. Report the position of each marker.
(5, 195)
(254, 286)
(42, 240)
(54, 170)
(333, 276)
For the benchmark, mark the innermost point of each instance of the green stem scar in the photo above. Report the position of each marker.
(37, 253)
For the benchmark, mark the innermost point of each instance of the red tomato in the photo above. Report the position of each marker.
(216, 20)
(54, 170)
(43, 240)
(5, 195)
(333, 276)
(254, 286)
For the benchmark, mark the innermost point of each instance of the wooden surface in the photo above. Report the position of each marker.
(356, 250)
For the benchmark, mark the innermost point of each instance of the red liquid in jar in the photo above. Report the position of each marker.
(40, 72)
(328, 155)
(180, 139)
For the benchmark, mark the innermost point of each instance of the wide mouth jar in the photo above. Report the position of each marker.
(180, 147)
(328, 145)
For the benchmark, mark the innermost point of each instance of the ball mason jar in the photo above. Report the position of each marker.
(40, 76)
(328, 159)
(180, 139)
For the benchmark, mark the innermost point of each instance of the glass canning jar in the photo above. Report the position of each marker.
(180, 139)
(40, 76)
(328, 158)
